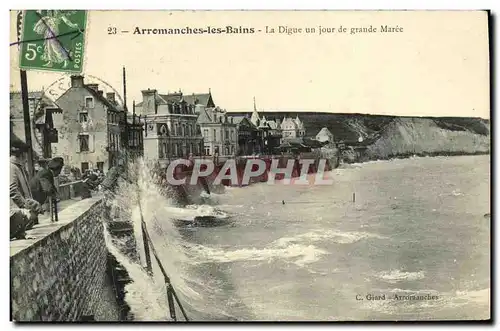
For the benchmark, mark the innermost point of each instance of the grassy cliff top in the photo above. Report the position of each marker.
(348, 127)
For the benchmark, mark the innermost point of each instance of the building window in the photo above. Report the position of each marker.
(112, 142)
(160, 151)
(100, 166)
(85, 166)
(163, 130)
(84, 142)
(84, 117)
(32, 104)
(207, 151)
(215, 135)
(205, 133)
(163, 150)
(89, 102)
(227, 134)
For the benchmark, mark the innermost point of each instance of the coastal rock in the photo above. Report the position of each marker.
(425, 136)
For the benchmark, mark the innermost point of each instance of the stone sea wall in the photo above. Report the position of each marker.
(61, 274)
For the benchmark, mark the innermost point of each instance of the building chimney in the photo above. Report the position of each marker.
(110, 96)
(93, 86)
(149, 102)
(76, 81)
(198, 108)
(148, 91)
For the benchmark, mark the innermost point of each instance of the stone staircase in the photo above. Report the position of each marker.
(120, 278)
(123, 233)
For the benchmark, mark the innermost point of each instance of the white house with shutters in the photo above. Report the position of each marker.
(324, 135)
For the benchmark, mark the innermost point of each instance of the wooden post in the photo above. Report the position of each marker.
(125, 112)
(27, 122)
(145, 237)
(124, 89)
(147, 255)
(134, 133)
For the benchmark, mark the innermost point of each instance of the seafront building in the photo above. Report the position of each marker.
(324, 135)
(220, 134)
(171, 130)
(292, 128)
(249, 136)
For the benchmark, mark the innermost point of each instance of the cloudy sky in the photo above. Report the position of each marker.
(438, 65)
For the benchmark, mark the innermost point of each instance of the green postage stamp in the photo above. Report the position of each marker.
(53, 40)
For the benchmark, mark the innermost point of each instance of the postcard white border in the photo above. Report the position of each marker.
(493, 5)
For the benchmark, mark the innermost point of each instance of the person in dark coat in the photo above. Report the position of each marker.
(42, 184)
(23, 209)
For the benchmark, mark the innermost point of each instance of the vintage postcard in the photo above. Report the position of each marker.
(248, 166)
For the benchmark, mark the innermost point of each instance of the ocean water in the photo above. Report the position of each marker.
(417, 227)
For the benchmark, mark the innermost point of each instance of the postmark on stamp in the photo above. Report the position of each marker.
(53, 40)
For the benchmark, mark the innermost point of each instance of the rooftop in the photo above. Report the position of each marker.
(41, 100)
(177, 97)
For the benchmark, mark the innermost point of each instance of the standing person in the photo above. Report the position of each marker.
(23, 209)
(43, 185)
